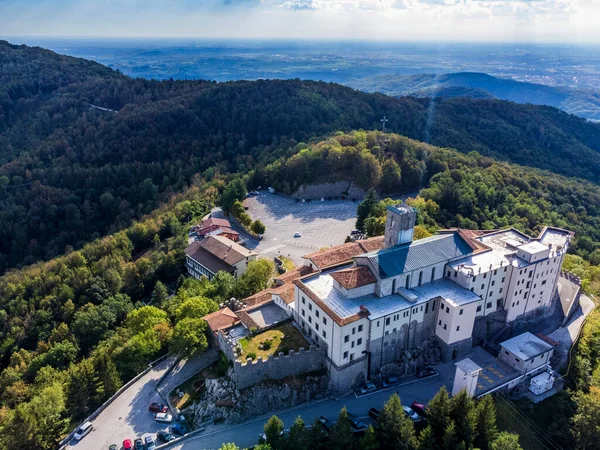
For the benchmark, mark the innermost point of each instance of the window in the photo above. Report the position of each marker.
(499, 303)
(353, 330)
(475, 278)
(517, 360)
(479, 308)
(324, 321)
(378, 324)
(303, 313)
(407, 283)
(303, 300)
(359, 341)
(387, 321)
(325, 334)
(482, 286)
(345, 355)
(527, 285)
(485, 275)
(491, 293)
(317, 313)
(441, 305)
(505, 269)
(500, 291)
(458, 328)
(352, 344)
(503, 277)
(460, 312)
(433, 274)
(489, 305)
(309, 319)
(420, 278)
(394, 286)
(351, 356)
(447, 310)
(360, 328)
(495, 271)
(544, 282)
(317, 326)
(310, 306)
(394, 330)
(472, 289)
(493, 282)
(346, 338)
(444, 326)
(426, 308)
(448, 274)
(455, 273)
(505, 352)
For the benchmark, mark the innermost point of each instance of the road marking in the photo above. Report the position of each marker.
(275, 247)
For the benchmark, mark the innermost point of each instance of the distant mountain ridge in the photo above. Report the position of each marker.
(582, 103)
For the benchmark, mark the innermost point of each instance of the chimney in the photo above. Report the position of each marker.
(399, 225)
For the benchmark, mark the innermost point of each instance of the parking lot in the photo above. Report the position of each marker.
(127, 417)
(322, 224)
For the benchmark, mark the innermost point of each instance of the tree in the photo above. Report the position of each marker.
(189, 337)
(160, 293)
(145, 318)
(462, 412)
(195, 308)
(508, 441)
(395, 429)
(258, 227)
(257, 276)
(585, 421)
(450, 439)
(427, 439)
(297, 437)
(365, 209)
(391, 180)
(237, 209)
(229, 446)
(224, 284)
(235, 190)
(438, 414)
(84, 389)
(107, 373)
(274, 432)
(486, 430)
(341, 436)
(369, 440)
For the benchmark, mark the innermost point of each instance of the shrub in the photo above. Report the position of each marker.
(223, 365)
(252, 356)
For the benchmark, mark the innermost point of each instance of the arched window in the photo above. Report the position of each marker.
(433, 274)
(420, 278)
(394, 286)
(407, 281)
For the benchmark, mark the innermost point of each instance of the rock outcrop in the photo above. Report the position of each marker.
(428, 352)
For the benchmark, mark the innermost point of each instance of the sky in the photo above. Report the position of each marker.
(412, 20)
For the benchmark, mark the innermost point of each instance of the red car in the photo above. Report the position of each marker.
(127, 444)
(158, 408)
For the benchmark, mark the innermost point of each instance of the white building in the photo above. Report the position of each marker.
(367, 311)
(525, 352)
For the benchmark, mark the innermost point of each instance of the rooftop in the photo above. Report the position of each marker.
(220, 319)
(418, 254)
(467, 366)
(345, 252)
(534, 247)
(321, 286)
(225, 249)
(214, 222)
(354, 277)
(557, 237)
(207, 259)
(526, 346)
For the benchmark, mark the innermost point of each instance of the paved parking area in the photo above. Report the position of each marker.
(127, 417)
(322, 224)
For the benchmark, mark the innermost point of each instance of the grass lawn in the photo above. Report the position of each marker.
(192, 388)
(282, 338)
(287, 263)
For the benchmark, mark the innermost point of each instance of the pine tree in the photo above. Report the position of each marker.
(84, 389)
(427, 439)
(450, 440)
(369, 440)
(341, 436)
(160, 294)
(486, 423)
(365, 209)
(463, 413)
(506, 441)
(438, 414)
(107, 372)
(395, 429)
(274, 432)
(298, 436)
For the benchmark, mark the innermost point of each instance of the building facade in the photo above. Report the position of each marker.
(370, 309)
(214, 254)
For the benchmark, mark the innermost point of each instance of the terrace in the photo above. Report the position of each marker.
(282, 338)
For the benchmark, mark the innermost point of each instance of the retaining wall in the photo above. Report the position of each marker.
(325, 190)
(569, 299)
(250, 372)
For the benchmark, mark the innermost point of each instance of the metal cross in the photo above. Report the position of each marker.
(383, 121)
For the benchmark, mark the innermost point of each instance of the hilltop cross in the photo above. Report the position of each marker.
(383, 121)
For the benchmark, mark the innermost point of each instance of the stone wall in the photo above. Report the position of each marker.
(348, 377)
(325, 190)
(250, 372)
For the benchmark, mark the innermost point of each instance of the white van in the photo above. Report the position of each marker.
(83, 430)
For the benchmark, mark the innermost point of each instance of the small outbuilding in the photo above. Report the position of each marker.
(525, 352)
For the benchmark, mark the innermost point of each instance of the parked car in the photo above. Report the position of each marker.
(368, 387)
(357, 425)
(156, 407)
(165, 436)
(297, 234)
(263, 436)
(127, 444)
(374, 413)
(163, 418)
(353, 232)
(410, 413)
(179, 429)
(150, 443)
(83, 431)
(138, 444)
(390, 381)
(113, 447)
(419, 408)
(424, 372)
(327, 424)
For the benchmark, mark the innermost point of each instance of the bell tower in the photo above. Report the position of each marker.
(399, 225)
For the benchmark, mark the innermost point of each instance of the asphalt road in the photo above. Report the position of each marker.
(246, 434)
(127, 417)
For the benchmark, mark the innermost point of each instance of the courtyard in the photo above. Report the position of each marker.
(282, 338)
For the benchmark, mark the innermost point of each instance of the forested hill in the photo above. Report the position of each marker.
(70, 173)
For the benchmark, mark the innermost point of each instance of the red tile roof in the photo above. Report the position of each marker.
(214, 222)
(354, 277)
(291, 275)
(345, 252)
(223, 318)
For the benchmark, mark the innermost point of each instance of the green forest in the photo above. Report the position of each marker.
(71, 173)
(95, 207)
